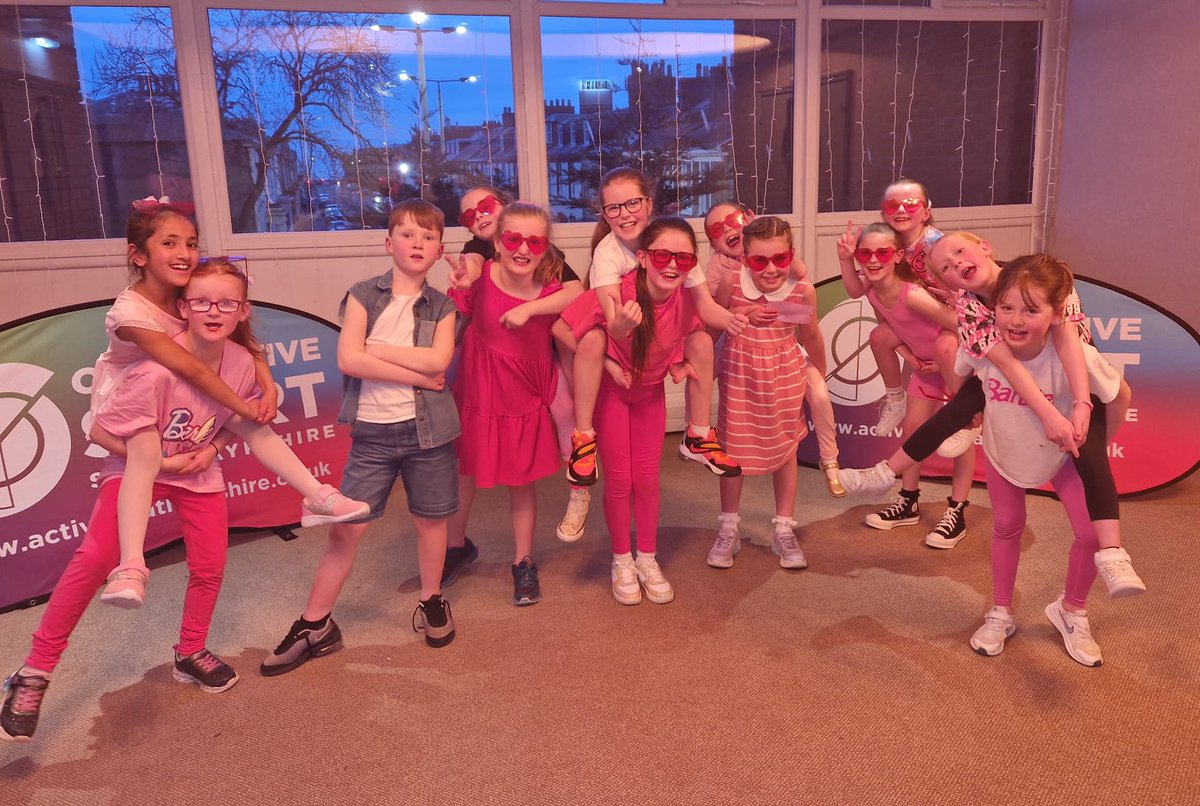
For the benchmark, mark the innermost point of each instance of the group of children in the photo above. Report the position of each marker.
(519, 367)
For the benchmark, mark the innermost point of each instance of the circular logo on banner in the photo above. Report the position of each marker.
(35, 442)
(851, 373)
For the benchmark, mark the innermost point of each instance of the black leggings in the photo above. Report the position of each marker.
(1098, 486)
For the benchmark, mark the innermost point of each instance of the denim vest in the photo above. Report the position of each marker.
(437, 415)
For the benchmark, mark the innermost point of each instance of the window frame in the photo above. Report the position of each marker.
(202, 124)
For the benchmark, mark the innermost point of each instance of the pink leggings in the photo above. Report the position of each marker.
(1008, 517)
(629, 430)
(205, 521)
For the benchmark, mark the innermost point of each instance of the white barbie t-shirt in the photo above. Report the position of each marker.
(1013, 438)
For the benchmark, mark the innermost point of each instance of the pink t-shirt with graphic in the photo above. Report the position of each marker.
(673, 320)
(187, 420)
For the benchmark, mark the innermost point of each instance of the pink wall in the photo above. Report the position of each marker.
(1129, 195)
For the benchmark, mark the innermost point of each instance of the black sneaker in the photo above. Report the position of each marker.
(951, 528)
(903, 512)
(526, 590)
(299, 645)
(433, 618)
(22, 704)
(205, 670)
(458, 558)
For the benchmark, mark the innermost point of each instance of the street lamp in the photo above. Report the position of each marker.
(418, 18)
(404, 76)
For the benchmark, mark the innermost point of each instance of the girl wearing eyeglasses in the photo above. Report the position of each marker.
(763, 383)
(646, 334)
(163, 251)
(152, 398)
(626, 209)
(507, 381)
(918, 319)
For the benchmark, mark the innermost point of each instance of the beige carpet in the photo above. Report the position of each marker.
(850, 682)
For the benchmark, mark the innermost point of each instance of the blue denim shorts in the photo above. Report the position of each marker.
(382, 451)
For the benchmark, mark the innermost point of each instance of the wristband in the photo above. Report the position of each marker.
(1087, 403)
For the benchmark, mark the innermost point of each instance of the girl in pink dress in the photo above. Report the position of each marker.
(507, 381)
(763, 383)
(646, 331)
(918, 319)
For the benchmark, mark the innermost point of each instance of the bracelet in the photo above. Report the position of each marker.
(1087, 403)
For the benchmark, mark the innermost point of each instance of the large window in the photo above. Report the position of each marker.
(705, 108)
(950, 104)
(90, 119)
(328, 119)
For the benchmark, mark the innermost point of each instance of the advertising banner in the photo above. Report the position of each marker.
(48, 469)
(1158, 355)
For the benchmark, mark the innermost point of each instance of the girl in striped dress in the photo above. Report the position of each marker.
(763, 383)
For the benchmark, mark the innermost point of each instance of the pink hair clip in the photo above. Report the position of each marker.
(153, 206)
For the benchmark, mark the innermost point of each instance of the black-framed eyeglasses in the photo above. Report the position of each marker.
(631, 205)
(202, 305)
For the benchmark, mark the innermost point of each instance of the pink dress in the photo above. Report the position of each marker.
(505, 385)
(918, 332)
(760, 415)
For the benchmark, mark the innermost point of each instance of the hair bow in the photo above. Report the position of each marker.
(153, 206)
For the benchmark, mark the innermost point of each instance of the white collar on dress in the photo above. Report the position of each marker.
(751, 292)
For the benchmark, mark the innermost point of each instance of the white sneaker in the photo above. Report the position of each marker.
(877, 479)
(574, 520)
(625, 586)
(891, 413)
(1116, 570)
(958, 443)
(997, 625)
(727, 544)
(786, 545)
(1076, 633)
(657, 589)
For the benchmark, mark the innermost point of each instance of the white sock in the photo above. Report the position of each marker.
(623, 558)
(698, 431)
(896, 392)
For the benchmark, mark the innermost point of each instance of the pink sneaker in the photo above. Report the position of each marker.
(330, 506)
(126, 586)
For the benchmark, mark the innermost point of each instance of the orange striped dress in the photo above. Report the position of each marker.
(760, 418)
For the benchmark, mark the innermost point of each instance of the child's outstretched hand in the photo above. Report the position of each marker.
(267, 406)
(1061, 432)
(1081, 421)
(460, 275)
(625, 318)
(847, 242)
(760, 315)
(737, 323)
(681, 371)
(619, 375)
(516, 317)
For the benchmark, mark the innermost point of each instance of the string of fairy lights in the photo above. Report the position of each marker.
(761, 145)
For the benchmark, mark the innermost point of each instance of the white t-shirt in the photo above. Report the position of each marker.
(611, 261)
(1013, 438)
(129, 309)
(383, 401)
